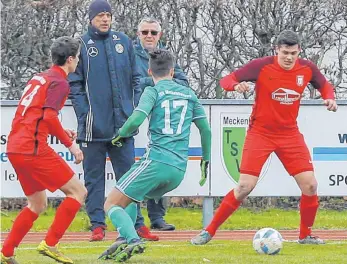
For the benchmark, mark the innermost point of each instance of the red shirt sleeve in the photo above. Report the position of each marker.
(55, 128)
(319, 81)
(57, 93)
(247, 73)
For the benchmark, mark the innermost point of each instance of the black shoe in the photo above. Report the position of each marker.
(162, 226)
(114, 249)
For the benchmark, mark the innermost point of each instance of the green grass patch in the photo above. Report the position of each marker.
(191, 219)
(240, 252)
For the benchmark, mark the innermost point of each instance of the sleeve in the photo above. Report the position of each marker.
(132, 124)
(180, 77)
(199, 111)
(247, 73)
(147, 101)
(135, 74)
(57, 93)
(320, 83)
(205, 134)
(51, 118)
(78, 93)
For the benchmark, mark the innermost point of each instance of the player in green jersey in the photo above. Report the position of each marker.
(171, 109)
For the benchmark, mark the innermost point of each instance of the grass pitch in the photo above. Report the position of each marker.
(238, 252)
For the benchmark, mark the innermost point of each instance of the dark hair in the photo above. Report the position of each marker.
(62, 48)
(160, 62)
(288, 37)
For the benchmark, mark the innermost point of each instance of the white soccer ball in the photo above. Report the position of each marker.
(267, 241)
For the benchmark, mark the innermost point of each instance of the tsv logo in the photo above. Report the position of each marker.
(233, 128)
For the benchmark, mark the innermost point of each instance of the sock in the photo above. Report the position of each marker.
(21, 226)
(131, 210)
(64, 216)
(226, 208)
(308, 210)
(123, 222)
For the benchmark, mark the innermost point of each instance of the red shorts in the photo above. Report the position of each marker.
(290, 149)
(40, 172)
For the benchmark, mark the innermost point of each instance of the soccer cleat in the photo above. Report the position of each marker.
(144, 232)
(201, 239)
(98, 234)
(53, 252)
(136, 246)
(311, 240)
(114, 249)
(8, 260)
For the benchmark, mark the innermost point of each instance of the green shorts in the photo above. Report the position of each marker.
(149, 179)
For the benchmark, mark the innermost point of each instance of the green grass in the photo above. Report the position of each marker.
(191, 219)
(238, 252)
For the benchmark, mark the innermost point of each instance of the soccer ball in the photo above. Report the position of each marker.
(267, 241)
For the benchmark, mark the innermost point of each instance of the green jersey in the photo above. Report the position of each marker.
(171, 109)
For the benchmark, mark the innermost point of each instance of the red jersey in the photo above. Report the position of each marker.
(33, 120)
(278, 91)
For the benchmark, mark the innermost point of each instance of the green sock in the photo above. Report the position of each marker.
(131, 210)
(123, 222)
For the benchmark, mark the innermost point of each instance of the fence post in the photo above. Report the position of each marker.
(207, 211)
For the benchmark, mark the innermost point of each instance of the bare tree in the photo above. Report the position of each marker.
(210, 38)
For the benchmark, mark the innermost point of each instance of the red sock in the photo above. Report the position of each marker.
(64, 216)
(308, 210)
(226, 208)
(21, 226)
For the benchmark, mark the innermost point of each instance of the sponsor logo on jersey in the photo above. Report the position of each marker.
(285, 96)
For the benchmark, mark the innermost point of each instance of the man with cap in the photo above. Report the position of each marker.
(104, 90)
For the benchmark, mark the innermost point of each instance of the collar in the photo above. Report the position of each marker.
(96, 33)
(58, 69)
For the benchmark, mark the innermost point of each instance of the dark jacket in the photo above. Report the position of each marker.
(105, 86)
(142, 60)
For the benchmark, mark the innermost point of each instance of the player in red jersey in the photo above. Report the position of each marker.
(279, 83)
(37, 165)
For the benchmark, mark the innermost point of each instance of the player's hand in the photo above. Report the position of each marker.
(71, 133)
(241, 87)
(77, 152)
(204, 171)
(117, 141)
(331, 105)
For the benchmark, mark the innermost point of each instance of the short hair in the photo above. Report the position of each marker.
(62, 48)
(149, 20)
(160, 62)
(288, 37)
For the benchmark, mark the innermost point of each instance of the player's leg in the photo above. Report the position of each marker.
(54, 173)
(256, 150)
(127, 192)
(122, 159)
(296, 158)
(37, 202)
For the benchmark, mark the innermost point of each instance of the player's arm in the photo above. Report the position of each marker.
(50, 116)
(205, 135)
(237, 80)
(142, 111)
(325, 88)
(57, 93)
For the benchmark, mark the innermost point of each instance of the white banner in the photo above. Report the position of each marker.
(10, 186)
(325, 134)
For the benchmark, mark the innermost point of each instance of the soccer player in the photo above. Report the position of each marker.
(171, 108)
(37, 165)
(279, 83)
